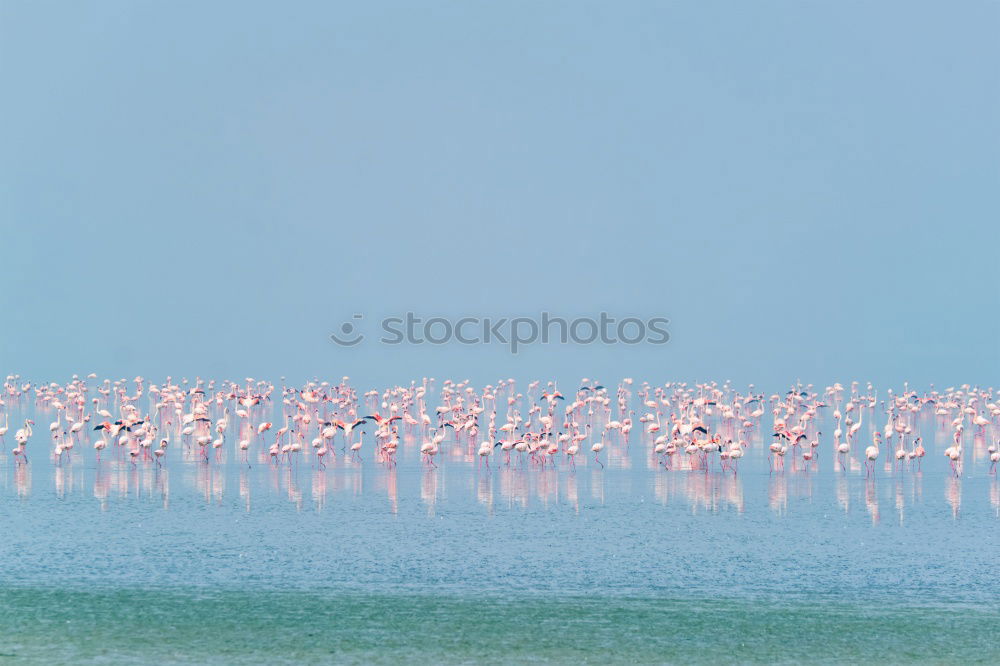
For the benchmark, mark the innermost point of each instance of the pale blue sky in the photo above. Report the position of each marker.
(808, 190)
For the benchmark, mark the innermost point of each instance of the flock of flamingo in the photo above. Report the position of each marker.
(680, 426)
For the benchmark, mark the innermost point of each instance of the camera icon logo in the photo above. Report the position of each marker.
(349, 335)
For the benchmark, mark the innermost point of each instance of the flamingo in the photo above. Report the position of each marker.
(485, 449)
(901, 452)
(843, 449)
(776, 449)
(954, 452)
(217, 444)
(100, 445)
(356, 450)
(244, 446)
(57, 424)
(735, 453)
(161, 451)
(428, 450)
(22, 435)
(571, 452)
(597, 448)
(918, 452)
(871, 454)
(348, 428)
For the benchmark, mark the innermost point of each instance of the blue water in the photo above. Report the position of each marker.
(514, 553)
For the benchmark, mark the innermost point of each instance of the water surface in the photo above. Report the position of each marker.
(215, 562)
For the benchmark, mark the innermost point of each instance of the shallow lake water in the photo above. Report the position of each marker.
(220, 561)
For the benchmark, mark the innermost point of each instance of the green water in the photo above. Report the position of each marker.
(155, 626)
